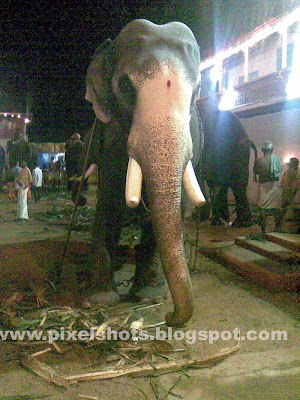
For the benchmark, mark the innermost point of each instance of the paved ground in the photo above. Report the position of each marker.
(224, 301)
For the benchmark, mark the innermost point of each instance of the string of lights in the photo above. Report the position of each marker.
(26, 117)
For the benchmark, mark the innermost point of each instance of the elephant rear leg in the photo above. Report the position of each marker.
(219, 204)
(243, 212)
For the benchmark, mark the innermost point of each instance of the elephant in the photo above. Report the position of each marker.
(143, 87)
(225, 163)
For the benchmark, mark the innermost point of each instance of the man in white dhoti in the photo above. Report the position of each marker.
(268, 169)
(23, 180)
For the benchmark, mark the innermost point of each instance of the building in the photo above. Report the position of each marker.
(12, 122)
(257, 78)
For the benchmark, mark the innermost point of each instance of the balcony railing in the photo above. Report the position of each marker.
(267, 89)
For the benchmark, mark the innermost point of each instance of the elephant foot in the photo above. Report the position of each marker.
(149, 281)
(152, 293)
(104, 298)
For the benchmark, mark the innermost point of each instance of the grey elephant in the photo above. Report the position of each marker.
(225, 163)
(143, 87)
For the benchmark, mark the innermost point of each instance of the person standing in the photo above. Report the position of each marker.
(23, 180)
(74, 149)
(37, 181)
(2, 160)
(290, 183)
(268, 169)
(15, 171)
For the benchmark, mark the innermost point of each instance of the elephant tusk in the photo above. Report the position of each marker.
(192, 187)
(134, 181)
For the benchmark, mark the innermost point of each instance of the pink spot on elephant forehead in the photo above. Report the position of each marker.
(169, 83)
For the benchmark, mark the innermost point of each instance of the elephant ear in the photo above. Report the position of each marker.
(98, 81)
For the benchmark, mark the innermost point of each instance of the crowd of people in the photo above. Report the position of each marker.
(23, 183)
(274, 195)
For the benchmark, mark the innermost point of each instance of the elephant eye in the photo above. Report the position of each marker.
(127, 91)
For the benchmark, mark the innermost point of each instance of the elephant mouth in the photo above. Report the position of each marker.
(134, 182)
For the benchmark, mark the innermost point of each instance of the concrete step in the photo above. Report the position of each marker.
(269, 249)
(256, 267)
(288, 240)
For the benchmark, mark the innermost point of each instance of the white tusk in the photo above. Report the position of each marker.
(191, 186)
(134, 181)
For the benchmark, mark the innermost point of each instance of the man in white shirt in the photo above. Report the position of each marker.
(37, 181)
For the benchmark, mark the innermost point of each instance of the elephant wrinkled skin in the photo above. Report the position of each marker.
(143, 87)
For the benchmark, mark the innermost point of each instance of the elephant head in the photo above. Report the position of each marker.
(148, 79)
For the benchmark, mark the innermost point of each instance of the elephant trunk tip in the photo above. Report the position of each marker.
(177, 320)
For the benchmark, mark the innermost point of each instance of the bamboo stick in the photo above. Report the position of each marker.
(196, 362)
(44, 371)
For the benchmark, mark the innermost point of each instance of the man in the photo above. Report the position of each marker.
(15, 171)
(74, 148)
(268, 169)
(24, 180)
(290, 183)
(2, 160)
(37, 180)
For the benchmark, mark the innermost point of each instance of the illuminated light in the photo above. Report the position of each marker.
(27, 121)
(12, 115)
(56, 157)
(228, 99)
(292, 88)
(19, 116)
(5, 114)
(215, 74)
(287, 158)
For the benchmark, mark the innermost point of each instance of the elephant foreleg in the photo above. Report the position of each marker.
(101, 271)
(106, 232)
(149, 281)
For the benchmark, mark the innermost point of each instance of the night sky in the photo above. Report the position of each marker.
(46, 48)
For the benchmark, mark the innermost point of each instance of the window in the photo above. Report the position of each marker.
(253, 75)
(225, 80)
(290, 51)
(279, 59)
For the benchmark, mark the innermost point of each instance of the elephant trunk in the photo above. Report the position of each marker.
(163, 163)
(165, 208)
(160, 149)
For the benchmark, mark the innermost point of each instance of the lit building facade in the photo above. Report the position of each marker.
(257, 77)
(10, 123)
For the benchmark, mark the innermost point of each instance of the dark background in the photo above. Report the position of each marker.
(45, 49)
